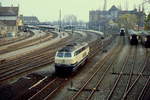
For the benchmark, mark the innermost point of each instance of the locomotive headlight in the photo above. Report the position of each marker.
(130, 37)
(145, 39)
(137, 37)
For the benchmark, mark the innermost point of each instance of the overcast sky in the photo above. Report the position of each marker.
(48, 10)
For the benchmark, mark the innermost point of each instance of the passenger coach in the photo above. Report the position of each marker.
(70, 57)
(145, 39)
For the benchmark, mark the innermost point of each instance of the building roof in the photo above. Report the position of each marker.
(30, 19)
(9, 11)
(8, 23)
(114, 8)
(72, 47)
(98, 12)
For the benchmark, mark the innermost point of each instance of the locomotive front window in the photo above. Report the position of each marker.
(67, 54)
(122, 30)
(134, 36)
(60, 54)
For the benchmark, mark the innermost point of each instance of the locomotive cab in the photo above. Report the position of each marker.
(134, 39)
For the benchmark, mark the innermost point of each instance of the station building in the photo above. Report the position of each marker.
(99, 18)
(8, 19)
(30, 20)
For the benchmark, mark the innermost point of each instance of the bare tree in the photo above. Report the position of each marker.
(128, 20)
(147, 22)
(70, 20)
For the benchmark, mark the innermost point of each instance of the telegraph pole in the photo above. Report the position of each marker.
(60, 20)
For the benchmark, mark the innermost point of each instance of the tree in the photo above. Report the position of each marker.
(70, 20)
(128, 21)
(147, 22)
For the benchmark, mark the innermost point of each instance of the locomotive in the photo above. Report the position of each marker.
(122, 32)
(134, 37)
(69, 58)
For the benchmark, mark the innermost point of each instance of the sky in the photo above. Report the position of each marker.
(48, 10)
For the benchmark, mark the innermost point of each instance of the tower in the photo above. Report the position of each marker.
(105, 5)
(60, 20)
(120, 6)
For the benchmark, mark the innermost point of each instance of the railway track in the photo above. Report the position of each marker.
(44, 89)
(21, 63)
(20, 58)
(6, 42)
(29, 58)
(121, 79)
(28, 63)
(131, 70)
(101, 79)
(128, 87)
(144, 90)
(8, 72)
(105, 70)
(48, 90)
(53, 86)
(11, 73)
(125, 83)
(137, 81)
(36, 88)
(128, 84)
(26, 44)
